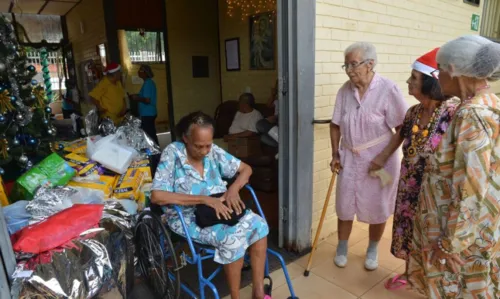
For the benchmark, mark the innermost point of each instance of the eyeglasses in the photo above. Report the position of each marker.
(354, 65)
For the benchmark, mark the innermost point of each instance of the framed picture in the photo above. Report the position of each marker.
(262, 32)
(232, 54)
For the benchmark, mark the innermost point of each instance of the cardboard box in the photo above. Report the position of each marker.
(244, 147)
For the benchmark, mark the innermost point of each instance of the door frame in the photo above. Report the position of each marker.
(296, 56)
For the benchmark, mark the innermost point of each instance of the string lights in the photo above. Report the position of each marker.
(246, 8)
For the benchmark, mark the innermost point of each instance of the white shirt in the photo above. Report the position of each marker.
(245, 122)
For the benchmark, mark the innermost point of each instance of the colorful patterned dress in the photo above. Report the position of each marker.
(460, 203)
(175, 174)
(412, 171)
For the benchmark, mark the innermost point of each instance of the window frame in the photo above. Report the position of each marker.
(161, 44)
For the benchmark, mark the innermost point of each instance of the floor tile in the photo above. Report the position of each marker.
(245, 293)
(385, 258)
(354, 278)
(357, 235)
(379, 291)
(313, 287)
(278, 276)
(324, 252)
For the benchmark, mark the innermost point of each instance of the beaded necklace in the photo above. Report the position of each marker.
(420, 136)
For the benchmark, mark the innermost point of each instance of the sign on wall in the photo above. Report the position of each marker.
(474, 23)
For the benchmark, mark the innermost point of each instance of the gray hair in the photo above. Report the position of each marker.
(147, 69)
(247, 98)
(471, 56)
(366, 49)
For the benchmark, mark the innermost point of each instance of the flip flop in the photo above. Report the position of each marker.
(395, 283)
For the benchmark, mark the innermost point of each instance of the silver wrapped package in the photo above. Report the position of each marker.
(107, 127)
(99, 261)
(49, 201)
(92, 122)
(131, 134)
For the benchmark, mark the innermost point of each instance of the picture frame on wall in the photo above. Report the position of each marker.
(232, 48)
(262, 41)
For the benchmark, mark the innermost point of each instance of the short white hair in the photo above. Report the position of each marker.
(367, 51)
(471, 56)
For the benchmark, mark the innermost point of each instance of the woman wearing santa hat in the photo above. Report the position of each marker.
(421, 133)
(109, 96)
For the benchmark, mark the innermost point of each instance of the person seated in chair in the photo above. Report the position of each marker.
(245, 121)
(188, 173)
(268, 127)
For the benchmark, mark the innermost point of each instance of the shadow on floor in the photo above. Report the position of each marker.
(190, 278)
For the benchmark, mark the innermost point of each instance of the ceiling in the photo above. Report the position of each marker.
(44, 7)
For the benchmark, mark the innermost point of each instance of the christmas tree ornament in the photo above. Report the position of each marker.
(32, 141)
(2, 172)
(16, 142)
(5, 102)
(52, 131)
(4, 148)
(45, 121)
(14, 70)
(48, 109)
(34, 82)
(19, 117)
(3, 67)
(39, 95)
(13, 99)
(23, 159)
(3, 119)
(29, 164)
(31, 68)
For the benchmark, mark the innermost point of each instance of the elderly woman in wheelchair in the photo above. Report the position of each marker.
(188, 175)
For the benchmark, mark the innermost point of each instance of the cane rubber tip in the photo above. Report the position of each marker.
(306, 273)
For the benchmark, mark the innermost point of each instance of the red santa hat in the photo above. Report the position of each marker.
(427, 64)
(112, 68)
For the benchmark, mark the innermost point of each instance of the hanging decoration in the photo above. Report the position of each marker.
(40, 97)
(246, 8)
(44, 58)
(6, 102)
(142, 32)
(4, 148)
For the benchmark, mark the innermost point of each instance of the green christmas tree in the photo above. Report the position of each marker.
(26, 131)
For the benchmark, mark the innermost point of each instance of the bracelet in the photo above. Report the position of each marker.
(440, 245)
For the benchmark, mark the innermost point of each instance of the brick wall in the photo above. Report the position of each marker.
(401, 30)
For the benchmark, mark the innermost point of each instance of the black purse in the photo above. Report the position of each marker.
(206, 216)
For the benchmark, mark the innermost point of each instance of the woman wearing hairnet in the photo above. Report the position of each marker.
(456, 248)
(147, 101)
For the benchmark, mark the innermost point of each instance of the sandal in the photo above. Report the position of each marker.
(395, 283)
(267, 297)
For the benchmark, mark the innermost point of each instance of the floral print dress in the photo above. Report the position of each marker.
(459, 203)
(412, 171)
(175, 174)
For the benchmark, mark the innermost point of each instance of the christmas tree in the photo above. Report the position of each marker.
(25, 128)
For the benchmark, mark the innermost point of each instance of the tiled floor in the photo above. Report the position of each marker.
(352, 282)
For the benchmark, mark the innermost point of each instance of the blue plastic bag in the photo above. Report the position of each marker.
(16, 216)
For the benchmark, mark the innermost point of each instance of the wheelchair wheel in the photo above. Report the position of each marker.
(156, 255)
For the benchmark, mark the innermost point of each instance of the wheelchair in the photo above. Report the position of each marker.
(162, 254)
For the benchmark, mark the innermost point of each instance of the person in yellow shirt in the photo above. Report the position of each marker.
(109, 95)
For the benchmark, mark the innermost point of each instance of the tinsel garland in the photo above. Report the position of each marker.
(44, 57)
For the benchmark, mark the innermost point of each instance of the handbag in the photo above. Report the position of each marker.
(206, 216)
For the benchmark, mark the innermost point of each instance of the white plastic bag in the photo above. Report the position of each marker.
(110, 154)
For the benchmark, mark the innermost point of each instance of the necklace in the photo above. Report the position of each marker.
(420, 136)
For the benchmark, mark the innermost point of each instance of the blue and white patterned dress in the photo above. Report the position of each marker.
(175, 174)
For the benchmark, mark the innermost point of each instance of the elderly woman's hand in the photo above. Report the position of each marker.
(378, 162)
(234, 201)
(442, 259)
(335, 164)
(221, 210)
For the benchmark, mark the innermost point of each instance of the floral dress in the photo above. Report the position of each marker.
(412, 171)
(175, 174)
(459, 204)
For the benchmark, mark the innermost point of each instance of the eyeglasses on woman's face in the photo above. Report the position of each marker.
(354, 65)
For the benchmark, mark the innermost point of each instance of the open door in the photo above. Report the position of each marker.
(296, 22)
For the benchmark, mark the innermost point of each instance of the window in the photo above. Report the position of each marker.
(145, 46)
(490, 26)
(473, 2)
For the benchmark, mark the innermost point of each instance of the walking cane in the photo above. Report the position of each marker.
(321, 220)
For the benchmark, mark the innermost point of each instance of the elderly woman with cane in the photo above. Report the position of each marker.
(367, 109)
(456, 249)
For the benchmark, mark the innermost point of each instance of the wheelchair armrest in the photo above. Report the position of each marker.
(256, 201)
